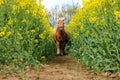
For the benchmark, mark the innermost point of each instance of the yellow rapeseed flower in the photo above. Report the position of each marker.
(31, 39)
(5, 28)
(117, 14)
(22, 4)
(92, 19)
(20, 37)
(33, 31)
(36, 41)
(102, 21)
(10, 22)
(24, 20)
(17, 43)
(92, 13)
(81, 27)
(1, 2)
(42, 58)
(14, 7)
(28, 11)
(86, 0)
(72, 24)
(75, 35)
(34, 12)
(105, 10)
(2, 33)
(9, 33)
(41, 36)
(87, 32)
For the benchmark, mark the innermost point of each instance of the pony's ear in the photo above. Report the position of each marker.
(57, 21)
(63, 19)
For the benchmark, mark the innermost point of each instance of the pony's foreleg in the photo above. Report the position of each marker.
(58, 47)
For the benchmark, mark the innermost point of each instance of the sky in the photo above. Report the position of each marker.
(52, 3)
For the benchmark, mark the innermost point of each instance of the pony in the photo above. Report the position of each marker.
(60, 36)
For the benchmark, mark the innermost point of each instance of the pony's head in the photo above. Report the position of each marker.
(60, 23)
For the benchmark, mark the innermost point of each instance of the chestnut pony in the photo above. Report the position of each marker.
(60, 36)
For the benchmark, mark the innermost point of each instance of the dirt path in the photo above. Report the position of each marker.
(62, 68)
(65, 68)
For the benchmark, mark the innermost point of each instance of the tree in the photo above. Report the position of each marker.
(66, 11)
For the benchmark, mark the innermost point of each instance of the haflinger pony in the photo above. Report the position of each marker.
(60, 36)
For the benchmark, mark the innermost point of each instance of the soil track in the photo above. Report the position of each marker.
(62, 68)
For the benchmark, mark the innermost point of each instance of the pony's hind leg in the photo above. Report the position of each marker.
(62, 46)
(61, 49)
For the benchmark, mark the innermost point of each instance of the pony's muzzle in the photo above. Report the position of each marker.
(61, 28)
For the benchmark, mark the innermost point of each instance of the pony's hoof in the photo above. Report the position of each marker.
(62, 54)
(65, 54)
(57, 54)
